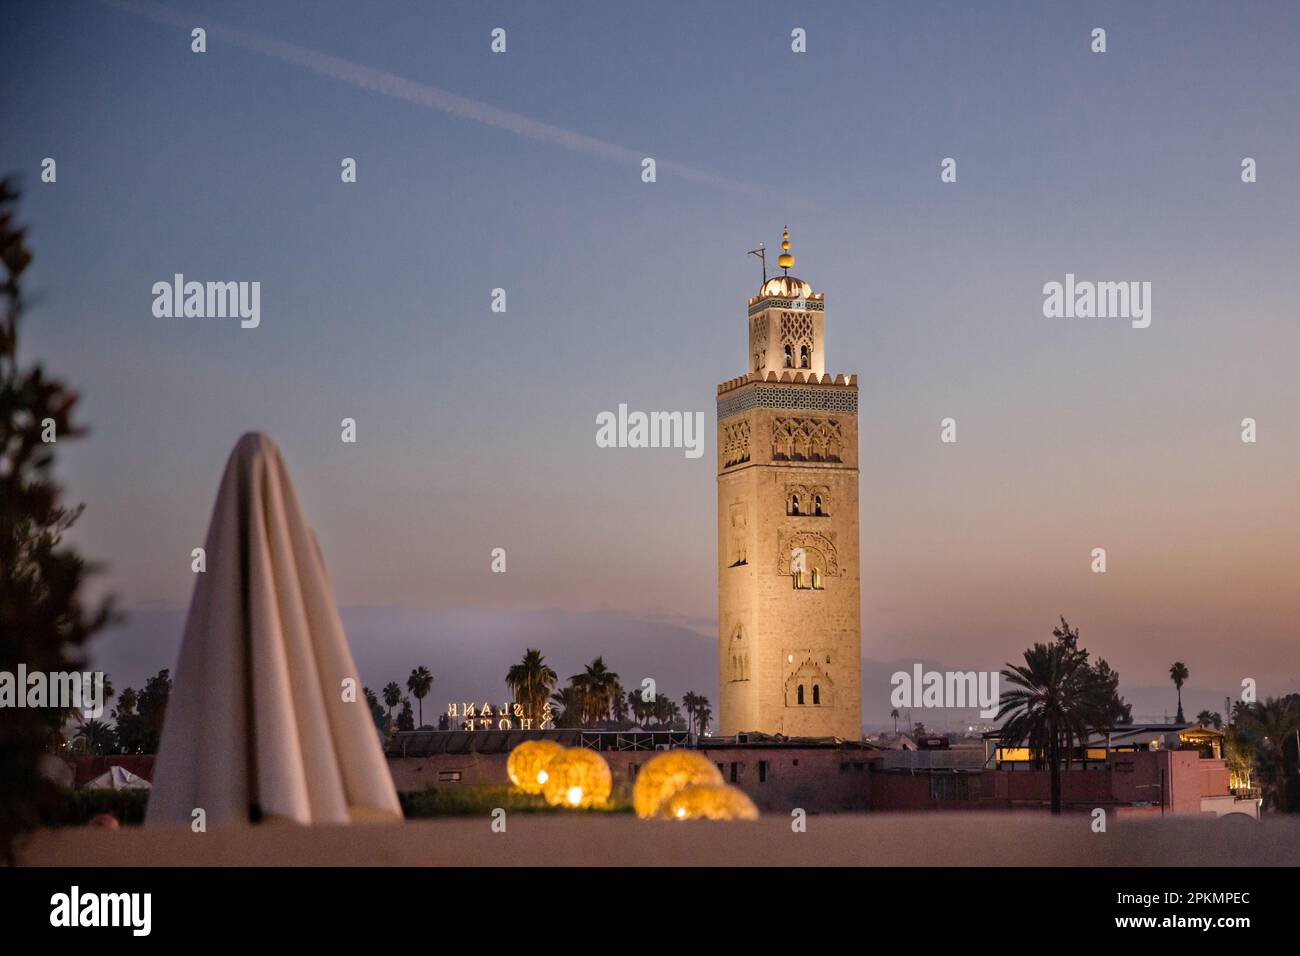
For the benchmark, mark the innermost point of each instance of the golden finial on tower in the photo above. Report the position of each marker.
(785, 260)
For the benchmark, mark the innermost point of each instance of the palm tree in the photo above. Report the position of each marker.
(596, 687)
(1210, 717)
(1274, 724)
(637, 706)
(619, 703)
(894, 713)
(419, 684)
(1240, 711)
(570, 700)
(95, 736)
(531, 681)
(1179, 673)
(665, 710)
(704, 715)
(107, 692)
(690, 700)
(392, 696)
(1054, 701)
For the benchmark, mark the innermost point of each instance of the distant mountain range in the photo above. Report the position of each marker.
(470, 649)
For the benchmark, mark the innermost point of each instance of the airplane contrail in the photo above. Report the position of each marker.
(389, 84)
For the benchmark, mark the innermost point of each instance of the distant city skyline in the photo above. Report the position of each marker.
(477, 429)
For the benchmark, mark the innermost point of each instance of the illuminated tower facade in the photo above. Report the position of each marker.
(789, 606)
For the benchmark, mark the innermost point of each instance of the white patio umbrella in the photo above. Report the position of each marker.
(257, 724)
(116, 778)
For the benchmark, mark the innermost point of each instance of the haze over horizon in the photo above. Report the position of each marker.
(519, 171)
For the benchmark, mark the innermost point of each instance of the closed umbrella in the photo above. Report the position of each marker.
(259, 724)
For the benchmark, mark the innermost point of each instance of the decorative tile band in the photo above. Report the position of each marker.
(809, 305)
(799, 397)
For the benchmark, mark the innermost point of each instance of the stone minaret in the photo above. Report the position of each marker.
(789, 610)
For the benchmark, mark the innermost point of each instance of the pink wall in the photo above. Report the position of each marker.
(1178, 778)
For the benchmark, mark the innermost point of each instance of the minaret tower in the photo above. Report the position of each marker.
(789, 609)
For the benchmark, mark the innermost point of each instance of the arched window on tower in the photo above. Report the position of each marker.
(817, 694)
(800, 693)
(817, 506)
(789, 358)
(794, 504)
(804, 361)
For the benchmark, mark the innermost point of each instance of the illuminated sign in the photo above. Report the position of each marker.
(509, 716)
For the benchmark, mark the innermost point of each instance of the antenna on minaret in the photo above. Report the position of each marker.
(761, 252)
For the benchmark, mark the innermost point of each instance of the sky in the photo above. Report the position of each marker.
(522, 171)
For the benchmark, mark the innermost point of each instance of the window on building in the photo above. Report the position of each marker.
(449, 776)
(803, 357)
(762, 771)
(789, 358)
(794, 504)
(817, 506)
(800, 693)
(735, 771)
(817, 694)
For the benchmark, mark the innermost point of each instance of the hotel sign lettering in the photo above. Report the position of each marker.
(509, 716)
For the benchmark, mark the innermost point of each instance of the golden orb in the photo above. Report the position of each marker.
(785, 260)
(527, 764)
(577, 777)
(704, 801)
(664, 775)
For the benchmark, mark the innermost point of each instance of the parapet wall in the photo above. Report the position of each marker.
(792, 377)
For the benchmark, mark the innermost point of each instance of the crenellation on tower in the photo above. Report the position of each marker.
(789, 628)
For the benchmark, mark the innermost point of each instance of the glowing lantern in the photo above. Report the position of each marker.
(527, 764)
(668, 773)
(577, 778)
(709, 801)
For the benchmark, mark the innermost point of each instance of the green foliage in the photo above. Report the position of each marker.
(96, 737)
(531, 681)
(405, 716)
(377, 713)
(43, 620)
(140, 715)
(462, 801)
(1056, 699)
(392, 695)
(419, 684)
(588, 701)
(1270, 727)
(1178, 673)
